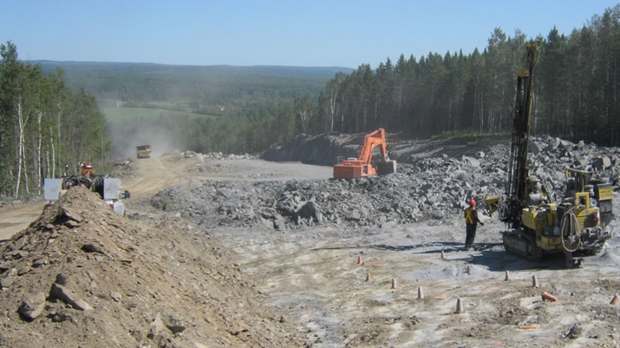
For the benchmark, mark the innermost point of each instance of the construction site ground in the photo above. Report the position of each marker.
(315, 286)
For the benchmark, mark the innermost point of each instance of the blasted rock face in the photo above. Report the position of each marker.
(431, 184)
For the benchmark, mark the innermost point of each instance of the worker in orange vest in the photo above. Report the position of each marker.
(471, 222)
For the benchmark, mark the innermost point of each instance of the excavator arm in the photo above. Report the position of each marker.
(372, 140)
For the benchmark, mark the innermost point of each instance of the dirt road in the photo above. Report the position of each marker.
(17, 217)
(154, 174)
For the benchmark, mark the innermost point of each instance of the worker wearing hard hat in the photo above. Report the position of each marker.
(471, 222)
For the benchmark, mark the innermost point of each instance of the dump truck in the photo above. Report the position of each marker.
(143, 151)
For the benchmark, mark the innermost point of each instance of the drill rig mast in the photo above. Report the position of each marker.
(518, 171)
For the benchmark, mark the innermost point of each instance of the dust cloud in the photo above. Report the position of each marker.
(125, 141)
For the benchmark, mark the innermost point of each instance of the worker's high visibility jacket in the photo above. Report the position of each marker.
(471, 217)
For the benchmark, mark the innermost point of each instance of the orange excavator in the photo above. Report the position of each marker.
(363, 165)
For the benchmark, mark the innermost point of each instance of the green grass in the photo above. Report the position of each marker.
(119, 114)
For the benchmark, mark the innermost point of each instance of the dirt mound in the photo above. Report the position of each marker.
(82, 275)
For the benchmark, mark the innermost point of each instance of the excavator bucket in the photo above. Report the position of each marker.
(385, 168)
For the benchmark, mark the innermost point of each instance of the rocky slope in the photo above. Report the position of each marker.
(423, 188)
(83, 276)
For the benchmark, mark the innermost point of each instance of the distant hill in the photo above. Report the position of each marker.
(268, 70)
(215, 84)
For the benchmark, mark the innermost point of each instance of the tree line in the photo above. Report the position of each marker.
(44, 125)
(576, 88)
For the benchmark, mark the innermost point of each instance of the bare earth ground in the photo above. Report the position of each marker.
(18, 216)
(340, 287)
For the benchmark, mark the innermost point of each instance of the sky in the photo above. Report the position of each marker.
(316, 33)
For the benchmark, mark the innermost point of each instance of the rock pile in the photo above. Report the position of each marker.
(82, 275)
(427, 188)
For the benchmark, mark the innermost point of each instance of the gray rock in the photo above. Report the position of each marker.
(426, 187)
(279, 223)
(42, 261)
(437, 214)
(156, 328)
(174, 324)
(310, 211)
(92, 248)
(69, 296)
(534, 148)
(32, 306)
(7, 282)
(19, 243)
(62, 279)
(470, 161)
(353, 216)
(23, 269)
(116, 296)
(601, 163)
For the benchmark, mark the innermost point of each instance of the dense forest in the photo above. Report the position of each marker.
(51, 113)
(576, 88)
(43, 126)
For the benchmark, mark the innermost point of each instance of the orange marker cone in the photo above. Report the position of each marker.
(507, 276)
(548, 296)
(394, 286)
(359, 260)
(535, 282)
(443, 255)
(368, 278)
(615, 300)
(420, 293)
